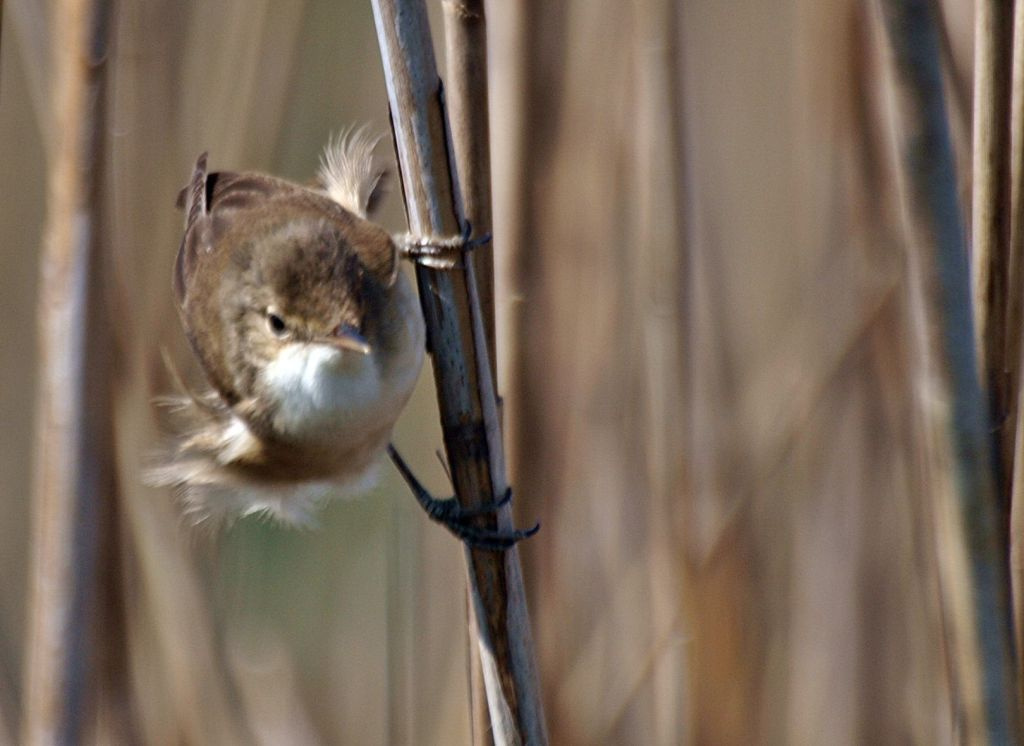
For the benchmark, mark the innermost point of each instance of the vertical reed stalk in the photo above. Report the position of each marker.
(467, 397)
(465, 33)
(975, 589)
(990, 227)
(73, 461)
(1015, 334)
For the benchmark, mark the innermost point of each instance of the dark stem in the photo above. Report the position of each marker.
(457, 336)
(976, 590)
(990, 228)
(1015, 335)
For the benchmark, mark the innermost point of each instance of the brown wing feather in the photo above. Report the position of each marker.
(193, 200)
(240, 191)
(196, 269)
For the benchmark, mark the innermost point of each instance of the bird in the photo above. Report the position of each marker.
(310, 339)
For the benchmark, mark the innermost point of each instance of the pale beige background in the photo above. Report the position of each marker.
(704, 359)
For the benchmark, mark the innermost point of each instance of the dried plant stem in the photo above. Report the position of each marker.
(1015, 333)
(465, 384)
(72, 463)
(1016, 549)
(974, 581)
(990, 229)
(465, 33)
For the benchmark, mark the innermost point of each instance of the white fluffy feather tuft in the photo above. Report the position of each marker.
(213, 496)
(348, 172)
(215, 504)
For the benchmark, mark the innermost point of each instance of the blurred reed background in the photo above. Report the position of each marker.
(707, 356)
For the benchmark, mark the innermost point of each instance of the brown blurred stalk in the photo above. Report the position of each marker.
(465, 33)
(974, 582)
(1015, 330)
(990, 228)
(465, 384)
(73, 458)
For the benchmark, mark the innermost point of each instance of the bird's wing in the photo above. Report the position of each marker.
(209, 201)
(193, 199)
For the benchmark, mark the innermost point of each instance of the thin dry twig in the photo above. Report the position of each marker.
(974, 582)
(465, 384)
(73, 463)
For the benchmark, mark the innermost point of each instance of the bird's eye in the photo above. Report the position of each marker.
(276, 324)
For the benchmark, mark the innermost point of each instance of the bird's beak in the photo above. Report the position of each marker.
(345, 337)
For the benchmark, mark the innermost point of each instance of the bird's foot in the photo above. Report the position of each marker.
(458, 518)
(440, 253)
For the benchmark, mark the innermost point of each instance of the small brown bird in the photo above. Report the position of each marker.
(309, 335)
(311, 340)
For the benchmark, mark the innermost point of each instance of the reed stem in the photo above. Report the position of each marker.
(974, 572)
(73, 457)
(466, 390)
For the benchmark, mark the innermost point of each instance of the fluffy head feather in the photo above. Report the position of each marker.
(348, 172)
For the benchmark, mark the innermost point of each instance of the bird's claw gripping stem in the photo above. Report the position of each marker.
(440, 253)
(456, 518)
